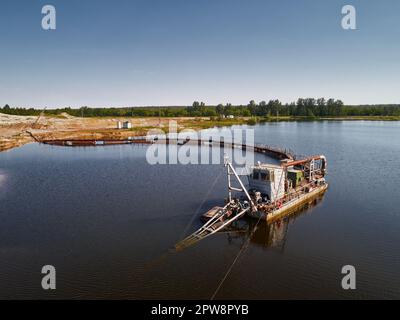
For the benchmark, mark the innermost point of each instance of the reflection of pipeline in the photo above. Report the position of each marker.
(272, 235)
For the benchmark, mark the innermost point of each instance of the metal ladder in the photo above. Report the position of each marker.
(212, 226)
(222, 218)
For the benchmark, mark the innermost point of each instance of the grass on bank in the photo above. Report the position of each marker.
(202, 123)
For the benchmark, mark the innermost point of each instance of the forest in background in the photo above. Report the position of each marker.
(303, 107)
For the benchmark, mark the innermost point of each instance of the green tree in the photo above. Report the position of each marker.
(196, 105)
(220, 109)
(338, 107)
(274, 107)
(330, 105)
(321, 103)
(252, 106)
(262, 109)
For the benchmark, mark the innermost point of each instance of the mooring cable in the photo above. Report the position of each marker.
(171, 251)
(244, 246)
(201, 205)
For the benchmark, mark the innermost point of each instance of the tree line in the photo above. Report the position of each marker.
(303, 107)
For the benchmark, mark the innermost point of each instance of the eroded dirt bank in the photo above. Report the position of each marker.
(16, 131)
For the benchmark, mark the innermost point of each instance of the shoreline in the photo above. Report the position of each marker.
(16, 131)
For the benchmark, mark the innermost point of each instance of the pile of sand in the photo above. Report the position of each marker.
(9, 120)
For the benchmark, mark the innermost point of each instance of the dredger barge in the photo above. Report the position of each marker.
(274, 190)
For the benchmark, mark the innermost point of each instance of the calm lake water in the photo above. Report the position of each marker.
(107, 220)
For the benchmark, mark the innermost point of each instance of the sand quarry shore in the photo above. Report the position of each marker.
(16, 131)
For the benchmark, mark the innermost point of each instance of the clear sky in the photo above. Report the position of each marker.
(172, 52)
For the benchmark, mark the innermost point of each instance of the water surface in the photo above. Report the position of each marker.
(106, 220)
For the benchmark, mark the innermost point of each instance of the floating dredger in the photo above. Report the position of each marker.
(274, 191)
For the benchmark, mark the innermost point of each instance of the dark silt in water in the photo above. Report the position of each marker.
(107, 220)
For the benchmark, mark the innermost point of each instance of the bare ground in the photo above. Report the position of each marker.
(16, 131)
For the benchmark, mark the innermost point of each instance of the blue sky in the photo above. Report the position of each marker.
(158, 52)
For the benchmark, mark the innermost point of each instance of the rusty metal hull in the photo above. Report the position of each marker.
(289, 207)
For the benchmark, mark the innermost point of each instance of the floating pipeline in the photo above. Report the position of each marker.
(275, 152)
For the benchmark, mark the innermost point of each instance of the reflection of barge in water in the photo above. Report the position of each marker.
(268, 235)
(274, 191)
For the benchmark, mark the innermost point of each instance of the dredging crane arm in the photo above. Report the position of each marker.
(231, 170)
(224, 216)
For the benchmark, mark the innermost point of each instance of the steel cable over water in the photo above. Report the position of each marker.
(244, 247)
